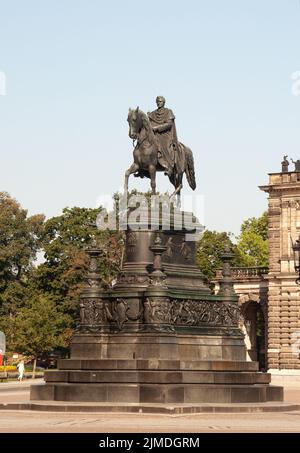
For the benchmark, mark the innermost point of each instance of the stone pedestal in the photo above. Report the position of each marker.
(159, 336)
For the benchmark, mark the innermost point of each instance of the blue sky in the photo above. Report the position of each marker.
(74, 67)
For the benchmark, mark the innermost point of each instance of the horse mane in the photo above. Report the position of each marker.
(146, 121)
(142, 114)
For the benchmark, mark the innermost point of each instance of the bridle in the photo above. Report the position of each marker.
(134, 140)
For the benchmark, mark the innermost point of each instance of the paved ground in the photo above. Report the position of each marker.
(106, 423)
(43, 422)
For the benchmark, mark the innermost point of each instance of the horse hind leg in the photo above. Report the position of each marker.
(152, 172)
(178, 199)
(180, 186)
(134, 167)
(177, 194)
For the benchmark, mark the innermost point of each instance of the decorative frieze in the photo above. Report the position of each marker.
(198, 313)
(133, 279)
(158, 314)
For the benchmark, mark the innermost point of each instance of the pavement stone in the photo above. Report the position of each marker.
(54, 422)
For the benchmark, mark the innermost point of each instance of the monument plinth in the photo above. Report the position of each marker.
(159, 335)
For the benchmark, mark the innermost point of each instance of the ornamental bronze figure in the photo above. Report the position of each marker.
(285, 165)
(162, 121)
(157, 148)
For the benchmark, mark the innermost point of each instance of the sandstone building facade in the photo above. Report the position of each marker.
(283, 320)
(270, 297)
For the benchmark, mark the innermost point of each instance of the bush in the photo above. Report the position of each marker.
(8, 368)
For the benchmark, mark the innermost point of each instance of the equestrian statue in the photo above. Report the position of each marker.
(156, 148)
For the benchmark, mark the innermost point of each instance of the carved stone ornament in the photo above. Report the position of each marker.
(92, 312)
(93, 265)
(294, 204)
(132, 240)
(158, 277)
(196, 313)
(158, 281)
(93, 282)
(119, 313)
(133, 279)
(93, 278)
(180, 248)
(157, 310)
(285, 204)
(249, 297)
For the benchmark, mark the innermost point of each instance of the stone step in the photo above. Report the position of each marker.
(158, 377)
(148, 408)
(123, 364)
(156, 393)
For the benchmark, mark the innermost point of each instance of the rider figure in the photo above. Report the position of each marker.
(162, 121)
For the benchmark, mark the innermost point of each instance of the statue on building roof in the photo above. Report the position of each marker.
(285, 165)
(297, 165)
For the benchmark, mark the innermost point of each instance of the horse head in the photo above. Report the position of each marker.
(135, 121)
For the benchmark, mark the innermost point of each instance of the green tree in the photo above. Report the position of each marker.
(253, 241)
(210, 249)
(258, 225)
(20, 239)
(64, 242)
(38, 328)
(251, 248)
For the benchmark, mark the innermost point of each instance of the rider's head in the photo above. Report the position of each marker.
(160, 101)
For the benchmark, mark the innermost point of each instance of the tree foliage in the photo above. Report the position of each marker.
(20, 239)
(257, 225)
(64, 242)
(251, 248)
(253, 241)
(39, 328)
(211, 246)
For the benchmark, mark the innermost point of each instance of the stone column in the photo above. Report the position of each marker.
(226, 285)
(229, 297)
(157, 305)
(93, 310)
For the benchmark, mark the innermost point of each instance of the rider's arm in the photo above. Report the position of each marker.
(163, 127)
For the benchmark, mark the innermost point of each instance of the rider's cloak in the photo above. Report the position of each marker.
(170, 152)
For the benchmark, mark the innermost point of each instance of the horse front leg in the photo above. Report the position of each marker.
(134, 167)
(152, 172)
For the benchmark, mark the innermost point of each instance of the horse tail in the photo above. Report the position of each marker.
(190, 168)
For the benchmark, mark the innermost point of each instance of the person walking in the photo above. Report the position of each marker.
(21, 369)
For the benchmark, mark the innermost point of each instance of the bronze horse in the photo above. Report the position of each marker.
(146, 155)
